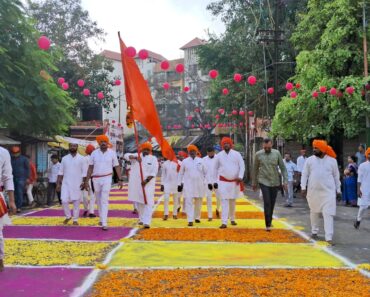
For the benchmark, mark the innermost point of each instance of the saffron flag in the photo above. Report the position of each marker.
(141, 103)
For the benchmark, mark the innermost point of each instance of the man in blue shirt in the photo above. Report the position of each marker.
(21, 172)
(291, 169)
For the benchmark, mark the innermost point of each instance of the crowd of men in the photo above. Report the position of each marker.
(189, 178)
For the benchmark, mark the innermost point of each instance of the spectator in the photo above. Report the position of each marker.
(301, 160)
(350, 182)
(291, 170)
(53, 176)
(21, 172)
(31, 181)
(360, 155)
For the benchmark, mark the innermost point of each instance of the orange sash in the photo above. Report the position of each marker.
(241, 184)
(3, 207)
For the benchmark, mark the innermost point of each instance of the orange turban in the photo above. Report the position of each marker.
(330, 152)
(226, 140)
(102, 138)
(192, 147)
(89, 149)
(183, 154)
(146, 145)
(322, 145)
(367, 152)
(15, 149)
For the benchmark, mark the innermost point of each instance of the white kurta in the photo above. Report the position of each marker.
(6, 179)
(192, 175)
(73, 170)
(364, 179)
(321, 178)
(301, 160)
(211, 170)
(150, 168)
(230, 166)
(169, 176)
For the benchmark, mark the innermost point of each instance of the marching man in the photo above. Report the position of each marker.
(211, 181)
(71, 179)
(101, 164)
(320, 181)
(169, 186)
(181, 155)
(191, 180)
(150, 167)
(6, 179)
(88, 195)
(230, 170)
(363, 188)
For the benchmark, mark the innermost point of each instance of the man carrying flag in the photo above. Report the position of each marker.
(142, 192)
(101, 164)
(230, 170)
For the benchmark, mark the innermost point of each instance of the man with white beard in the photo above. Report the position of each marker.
(136, 186)
(169, 186)
(320, 181)
(230, 170)
(209, 163)
(191, 180)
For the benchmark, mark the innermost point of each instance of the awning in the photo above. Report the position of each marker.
(63, 142)
(8, 141)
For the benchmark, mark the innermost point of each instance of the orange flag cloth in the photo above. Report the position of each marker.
(141, 103)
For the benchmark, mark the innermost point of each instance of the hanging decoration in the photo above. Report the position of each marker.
(130, 52)
(165, 65)
(238, 77)
(143, 54)
(213, 74)
(81, 83)
(44, 43)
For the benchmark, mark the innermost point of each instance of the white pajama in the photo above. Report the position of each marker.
(145, 213)
(364, 180)
(328, 224)
(361, 212)
(2, 250)
(102, 186)
(189, 206)
(76, 210)
(228, 210)
(29, 193)
(89, 200)
(166, 203)
(209, 202)
(198, 208)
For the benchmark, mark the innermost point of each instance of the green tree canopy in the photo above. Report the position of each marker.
(30, 104)
(329, 38)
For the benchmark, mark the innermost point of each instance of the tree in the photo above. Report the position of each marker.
(71, 29)
(31, 102)
(328, 37)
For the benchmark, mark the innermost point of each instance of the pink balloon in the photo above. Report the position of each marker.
(251, 113)
(350, 90)
(186, 89)
(221, 110)
(289, 86)
(241, 124)
(130, 52)
(165, 65)
(100, 95)
(241, 113)
(315, 94)
(80, 83)
(214, 125)
(297, 85)
(61, 80)
(217, 116)
(65, 86)
(252, 80)
(113, 121)
(119, 125)
(86, 92)
(192, 126)
(234, 112)
(270, 91)
(44, 43)
(200, 125)
(189, 118)
(225, 91)
(238, 77)
(168, 126)
(293, 94)
(143, 54)
(333, 91)
(213, 73)
(340, 94)
(117, 82)
(166, 86)
(180, 68)
(197, 110)
(322, 89)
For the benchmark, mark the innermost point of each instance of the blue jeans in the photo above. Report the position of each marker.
(19, 188)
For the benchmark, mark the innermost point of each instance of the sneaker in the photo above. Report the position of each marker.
(197, 221)
(315, 236)
(217, 213)
(92, 215)
(100, 224)
(104, 228)
(146, 226)
(330, 242)
(190, 224)
(288, 205)
(66, 221)
(135, 211)
(85, 214)
(165, 218)
(223, 226)
(33, 204)
(268, 229)
(175, 217)
(75, 224)
(209, 219)
(233, 223)
(140, 223)
(357, 224)
(178, 210)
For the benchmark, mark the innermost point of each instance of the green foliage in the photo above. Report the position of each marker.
(329, 37)
(29, 104)
(71, 29)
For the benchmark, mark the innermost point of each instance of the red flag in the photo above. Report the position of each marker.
(141, 103)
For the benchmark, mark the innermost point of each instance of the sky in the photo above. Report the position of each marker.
(162, 26)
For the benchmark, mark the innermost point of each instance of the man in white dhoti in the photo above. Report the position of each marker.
(230, 170)
(363, 188)
(320, 181)
(88, 195)
(191, 180)
(6, 179)
(169, 186)
(102, 161)
(211, 182)
(71, 180)
(138, 183)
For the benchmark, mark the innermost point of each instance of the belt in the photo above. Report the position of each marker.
(104, 175)
(241, 184)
